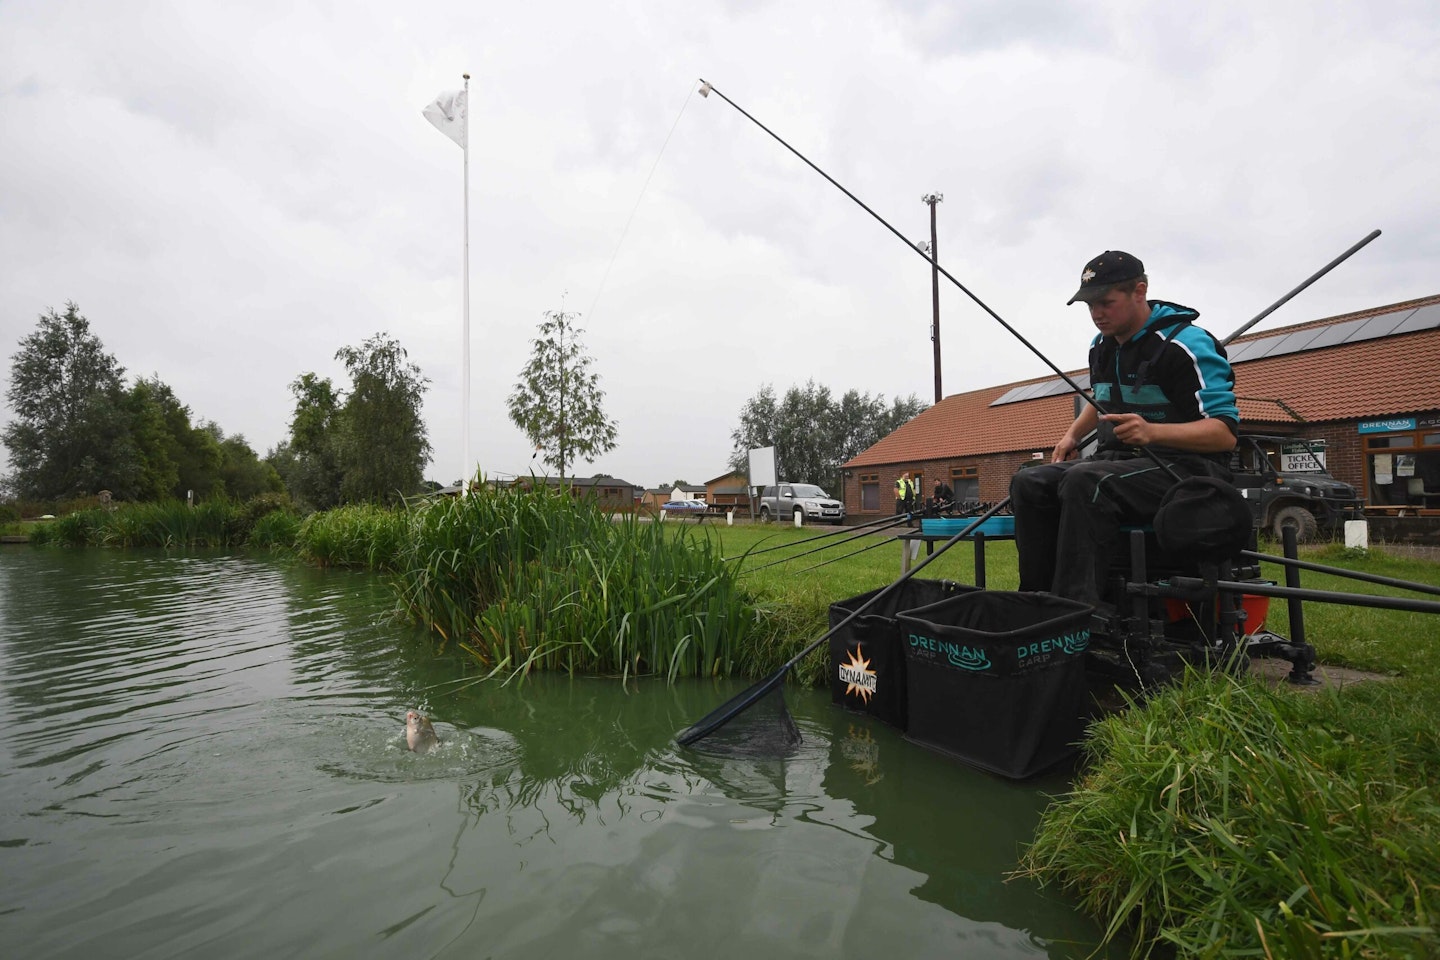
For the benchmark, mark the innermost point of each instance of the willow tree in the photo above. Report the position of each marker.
(557, 401)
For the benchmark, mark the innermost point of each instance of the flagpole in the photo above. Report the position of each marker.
(465, 287)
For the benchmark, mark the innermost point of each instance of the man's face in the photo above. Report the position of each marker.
(1121, 315)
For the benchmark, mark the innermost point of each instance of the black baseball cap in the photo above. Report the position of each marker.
(1102, 273)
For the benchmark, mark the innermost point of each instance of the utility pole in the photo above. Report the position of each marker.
(931, 199)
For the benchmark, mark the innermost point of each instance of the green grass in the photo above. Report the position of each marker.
(1226, 819)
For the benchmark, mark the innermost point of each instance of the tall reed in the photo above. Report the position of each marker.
(168, 523)
(526, 580)
(358, 535)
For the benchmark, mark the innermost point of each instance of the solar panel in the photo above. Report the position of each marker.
(1238, 352)
(1426, 318)
(1045, 388)
(1264, 347)
(1336, 333)
(1294, 342)
(1376, 327)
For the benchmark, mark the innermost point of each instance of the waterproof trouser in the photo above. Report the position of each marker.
(1068, 517)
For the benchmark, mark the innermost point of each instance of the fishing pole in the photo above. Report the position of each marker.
(852, 553)
(893, 521)
(832, 533)
(748, 697)
(706, 88)
(1313, 277)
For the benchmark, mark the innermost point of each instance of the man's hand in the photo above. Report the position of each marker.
(1209, 435)
(1066, 449)
(1131, 429)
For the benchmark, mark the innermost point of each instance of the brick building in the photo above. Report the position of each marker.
(1367, 383)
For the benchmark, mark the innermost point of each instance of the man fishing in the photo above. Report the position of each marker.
(1165, 385)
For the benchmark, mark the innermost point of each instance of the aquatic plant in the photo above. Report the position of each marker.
(1227, 819)
(167, 523)
(276, 530)
(531, 579)
(358, 535)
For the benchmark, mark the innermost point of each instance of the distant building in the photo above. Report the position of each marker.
(1367, 383)
(729, 491)
(611, 492)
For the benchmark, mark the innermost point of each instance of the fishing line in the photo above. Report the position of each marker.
(821, 536)
(644, 187)
(863, 533)
(706, 88)
(852, 553)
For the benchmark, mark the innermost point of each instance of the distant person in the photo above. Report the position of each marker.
(904, 494)
(1166, 386)
(944, 500)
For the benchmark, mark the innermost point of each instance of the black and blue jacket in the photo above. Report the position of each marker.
(1169, 372)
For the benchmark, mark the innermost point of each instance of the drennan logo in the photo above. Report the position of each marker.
(860, 681)
(955, 654)
(1042, 651)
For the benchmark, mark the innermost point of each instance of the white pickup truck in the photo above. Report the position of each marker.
(804, 500)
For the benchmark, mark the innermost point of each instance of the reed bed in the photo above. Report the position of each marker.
(169, 524)
(357, 535)
(527, 580)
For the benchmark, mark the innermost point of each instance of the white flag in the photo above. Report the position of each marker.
(448, 113)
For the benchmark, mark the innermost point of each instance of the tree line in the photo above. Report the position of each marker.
(814, 432)
(78, 429)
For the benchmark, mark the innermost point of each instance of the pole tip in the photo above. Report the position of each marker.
(465, 75)
(704, 89)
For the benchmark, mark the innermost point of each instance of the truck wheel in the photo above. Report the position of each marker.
(1298, 517)
(764, 514)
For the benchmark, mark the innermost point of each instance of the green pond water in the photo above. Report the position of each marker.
(205, 758)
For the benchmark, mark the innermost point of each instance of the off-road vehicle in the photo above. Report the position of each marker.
(1286, 484)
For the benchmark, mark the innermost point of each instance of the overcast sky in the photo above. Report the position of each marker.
(231, 192)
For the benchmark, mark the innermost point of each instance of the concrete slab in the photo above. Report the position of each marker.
(1329, 675)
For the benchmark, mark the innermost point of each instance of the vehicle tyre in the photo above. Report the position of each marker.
(764, 514)
(1298, 517)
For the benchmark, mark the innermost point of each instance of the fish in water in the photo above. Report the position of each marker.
(419, 732)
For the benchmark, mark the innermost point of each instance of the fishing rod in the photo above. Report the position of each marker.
(852, 553)
(706, 88)
(1313, 277)
(891, 522)
(821, 536)
(1342, 572)
(748, 697)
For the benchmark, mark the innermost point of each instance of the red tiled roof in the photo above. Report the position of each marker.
(1400, 374)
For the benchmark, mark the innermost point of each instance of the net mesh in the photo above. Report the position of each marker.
(754, 724)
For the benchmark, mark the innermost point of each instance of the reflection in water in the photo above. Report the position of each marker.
(207, 754)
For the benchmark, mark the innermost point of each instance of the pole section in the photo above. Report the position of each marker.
(466, 467)
(932, 199)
